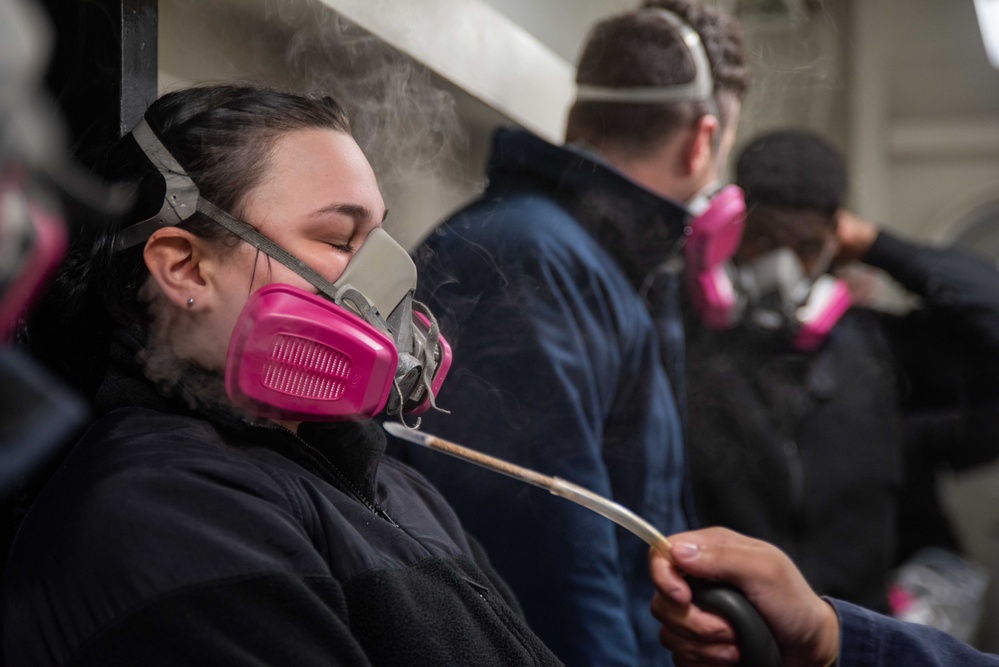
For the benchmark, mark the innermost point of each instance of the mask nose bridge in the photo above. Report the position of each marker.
(777, 271)
(382, 271)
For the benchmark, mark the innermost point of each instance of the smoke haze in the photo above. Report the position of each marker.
(405, 125)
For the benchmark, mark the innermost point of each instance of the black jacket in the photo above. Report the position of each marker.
(808, 450)
(169, 538)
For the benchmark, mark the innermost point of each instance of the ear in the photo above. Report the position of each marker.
(700, 144)
(175, 259)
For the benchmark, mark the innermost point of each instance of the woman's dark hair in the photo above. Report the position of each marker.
(222, 137)
(794, 169)
(639, 48)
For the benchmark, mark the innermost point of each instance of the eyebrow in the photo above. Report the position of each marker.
(355, 211)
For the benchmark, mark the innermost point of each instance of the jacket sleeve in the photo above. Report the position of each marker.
(534, 374)
(868, 639)
(947, 348)
(950, 283)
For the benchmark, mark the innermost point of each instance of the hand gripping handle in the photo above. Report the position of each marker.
(757, 646)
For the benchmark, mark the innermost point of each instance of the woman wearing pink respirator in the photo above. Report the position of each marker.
(231, 503)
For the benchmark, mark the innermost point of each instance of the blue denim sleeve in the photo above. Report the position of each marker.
(868, 639)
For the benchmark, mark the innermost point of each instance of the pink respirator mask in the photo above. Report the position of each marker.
(299, 356)
(780, 296)
(772, 291)
(712, 243)
(360, 346)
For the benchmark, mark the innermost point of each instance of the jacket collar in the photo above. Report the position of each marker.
(638, 227)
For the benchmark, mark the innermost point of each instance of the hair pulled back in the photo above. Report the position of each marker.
(222, 136)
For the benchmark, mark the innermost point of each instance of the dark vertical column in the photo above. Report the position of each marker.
(103, 69)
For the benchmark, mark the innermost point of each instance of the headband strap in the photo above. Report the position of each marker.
(393, 277)
(182, 200)
(698, 90)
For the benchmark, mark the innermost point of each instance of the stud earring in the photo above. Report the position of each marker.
(190, 302)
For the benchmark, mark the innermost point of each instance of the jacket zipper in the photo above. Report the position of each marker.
(331, 472)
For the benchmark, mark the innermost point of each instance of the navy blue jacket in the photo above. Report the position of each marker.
(868, 639)
(538, 286)
(178, 537)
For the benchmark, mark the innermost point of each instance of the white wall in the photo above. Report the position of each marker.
(926, 135)
(902, 86)
(561, 25)
(925, 144)
(493, 70)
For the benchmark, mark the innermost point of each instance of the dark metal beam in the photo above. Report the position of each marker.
(103, 70)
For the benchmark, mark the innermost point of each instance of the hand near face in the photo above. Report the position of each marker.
(805, 626)
(855, 234)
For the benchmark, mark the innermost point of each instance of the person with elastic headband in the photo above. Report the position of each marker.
(811, 631)
(230, 504)
(560, 290)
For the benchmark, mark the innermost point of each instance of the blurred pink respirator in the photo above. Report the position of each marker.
(771, 291)
(33, 241)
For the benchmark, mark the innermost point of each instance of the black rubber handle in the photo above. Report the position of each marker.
(757, 646)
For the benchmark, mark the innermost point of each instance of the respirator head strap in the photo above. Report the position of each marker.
(180, 200)
(433, 351)
(698, 90)
(350, 298)
(377, 284)
(344, 295)
(248, 233)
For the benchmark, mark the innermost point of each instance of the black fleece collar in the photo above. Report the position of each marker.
(354, 448)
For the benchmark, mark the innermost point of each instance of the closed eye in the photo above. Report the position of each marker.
(347, 248)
